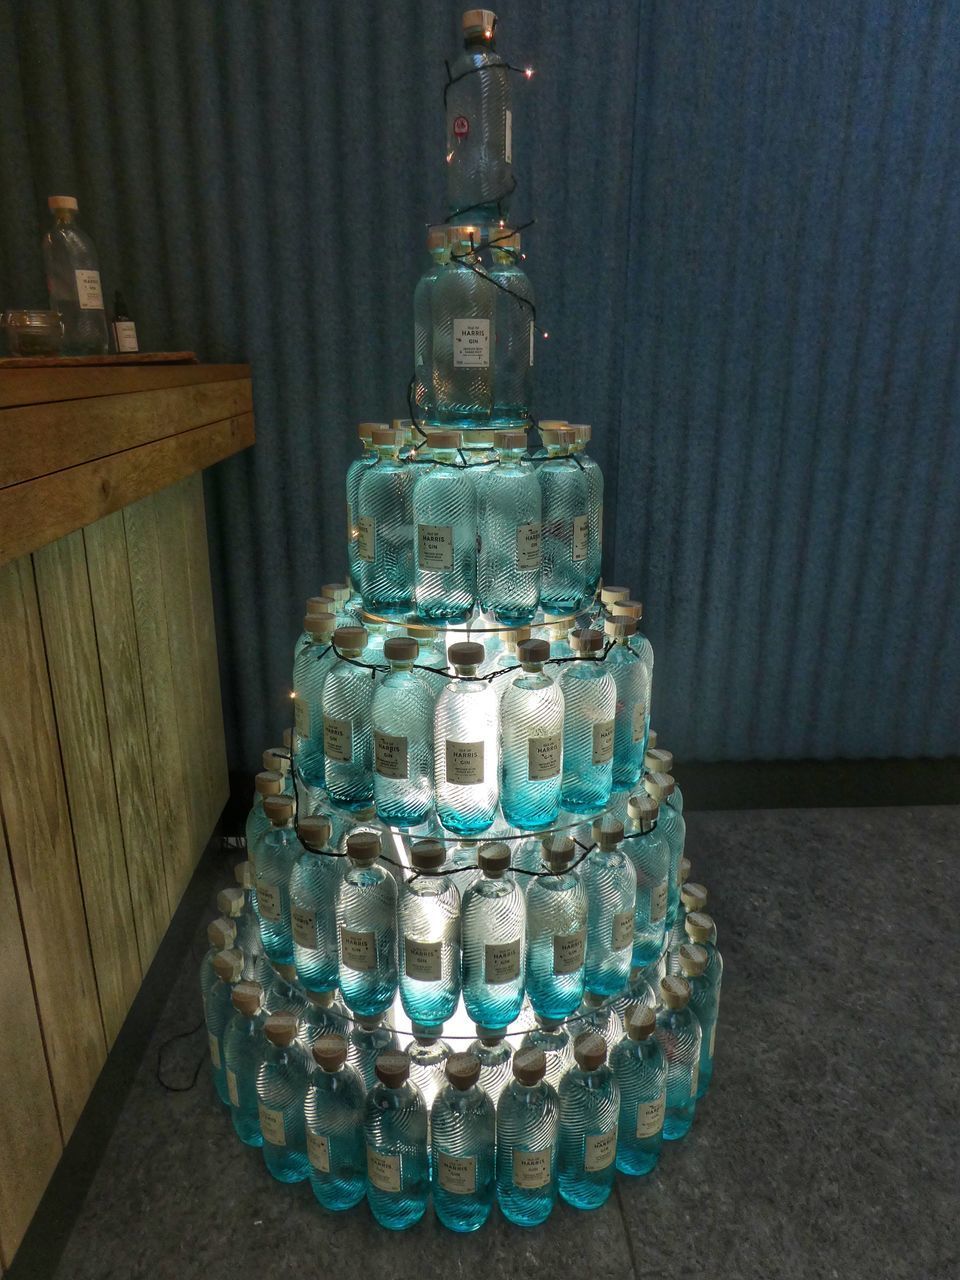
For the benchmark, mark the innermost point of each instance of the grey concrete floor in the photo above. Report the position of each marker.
(827, 1146)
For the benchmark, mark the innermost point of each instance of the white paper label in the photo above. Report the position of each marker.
(304, 925)
(457, 1173)
(435, 547)
(581, 537)
(383, 1171)
(694, 1078)
(389, 755)
(713, 1039)
(301, 718)
(543, 757)
(639, 721)
(658, 901)
(318, 1151)
(214, 1044)
(271, 1126)
(531, 344)
(367, 538)
(650, 1117)
(471, 344)
(337, 739)
(422, 959)
(233, 1090)
(599, 1151)
(622, 934)
(358, 950)
(125, 336)
(501, 961)
(568, 950)
(464, 763)
(603, 742)
(268, 900)
(531, 1169)
(89, 293)
(528, 546)
(508, 136)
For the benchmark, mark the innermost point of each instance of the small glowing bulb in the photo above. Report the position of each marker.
(545, 334)
(528, 72)
(488, 34)
(449, 156)
(292, 694)
(523, 256)
(502, 224)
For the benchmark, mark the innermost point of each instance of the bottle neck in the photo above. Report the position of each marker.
(64, 215)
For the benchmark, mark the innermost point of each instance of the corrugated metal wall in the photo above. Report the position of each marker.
(748, 227)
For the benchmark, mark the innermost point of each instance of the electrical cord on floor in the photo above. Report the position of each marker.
(180, 1035)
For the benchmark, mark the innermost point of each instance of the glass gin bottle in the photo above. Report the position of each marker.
(366, 929)
(673, 829)
(221, 935)
(217, 1012)
(702, 932)
(73, 281)
(334, 1111)
(464, 334)
(347, 738)
(531, 715)
(514, 310)
(508, 523)
(556, 933)
(423, 323)
(276, 859)
(368, 456)
(466, 746)
(402, 718)
(310, 670)
(610, 882)
(630, 731)
(479, 124)
(552, 1038)
(445, 546)
(566, 530)
(428, 920)
(266, 783)
(493, 924)
(641, 1071)
(395, 1133)
(589, 705)
(281, 1089)
(385, 526)
(243, 1050)
(589, 1116)
(428, 1055)
(660, 760)
(463, 1144)
(650, 855)
(494, 1054)
(314, 885)
(592, 471)
(367, 1039)
(528, 1122)
(642, 647)
(678, 1034)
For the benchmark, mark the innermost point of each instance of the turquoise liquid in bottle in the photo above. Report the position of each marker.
(445, 544)
(281, 1089)
(610, 882)
(402, 718)
(466, 747)
(678, 1034)
(385, 527)
(495, 1057)
(594, 477)
(650, 854)
(428, 921)
(566, 536)
(493, 925)
(367, 932)
(589, 701)
(641, 1071)
(556, 933)
(395, 1132)
(276, 858)
(630, 731)
(672, 827)
(347, 737)
(705, 1000)
(355, 471)
(334, 1110)
(589, 1116)
(314, 884)
(509, 525)
(463, 1144)
(528, 1116)
(217, 1012)
(531, 718)
(243, 1049)
(310, 671)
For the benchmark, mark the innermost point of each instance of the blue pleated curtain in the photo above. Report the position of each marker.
(745, 253)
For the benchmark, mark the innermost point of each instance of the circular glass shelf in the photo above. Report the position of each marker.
(476, 624)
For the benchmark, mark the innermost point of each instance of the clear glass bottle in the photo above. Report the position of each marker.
(334, 1109)
(706, 1003)
(589, 706)
(509, 528)
(385, 526)
(464, 332)
(367, 931)
(221, 935)
(402, 718)
(693, 897)
(566, 524)
(248, 923)
(479, 122)
(494, 1054)
(650, 855)
(673, 829)
(368, 1038)
(463, 1146)
(431, 658)
(660, 760)
(559, 627)
(556, 933)
(466, 746)
(641, 1071)
(428, 1054)
(528, 1122)
(281, 1090)
(310, 670)
(266, 783)
(73, 281)
(610, 882)
(276, 859)
(505, 665)
(423, 322)
(232, 905)
(395, 1132)
(599, 1013)
(582, 435)
(368, 456)
(347, 737)
(323, 1015)
(463, 855)
(445, 544)
(428, 919)
(314, 883)
(243, 1050)
(630, 731)
(642, 987)
(514, 312)
(678, 1034)
(493, 927)
(642, 647)
(217, 1012)
(551, 1037)
(531, 716)
(589, 1114)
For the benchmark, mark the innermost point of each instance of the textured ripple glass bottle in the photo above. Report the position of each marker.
(313, 891)
(463, 1142)
(650, 855)
(678, 1034)
(234, 905)
(248, 923)
(672, 827)
(366, 928)
(310, 671)
(660, 760)
(466, 747)
(347, 738)
(589, 1115)
(479, 124)
(630, 731)
(706, 998)
(693, 897)
(281, 1088)
(556, 933)
(597, 1013)
(582, 434)
(642, 647)
(221, 935)
(423, 323)
(531, 717)
(385, 526)
(589, 704)
(528, 1119)
(493, 926)
(430, 654)
(276, 859)
(428, 920)
(333, 1113)
(494, 1054)
(73, 275)
(402, 718)
(610, 882)
(445, 543)
(217, 1012)
(428, 1056)
(515, 331)
(508, 522)
(395, 1132)
(322, 1015)
(243, 1049)
(464, 333)
(369, 1038)
(566, 529)
(266, 783)
(368, 457)
(551, 1037)
(641, 1071)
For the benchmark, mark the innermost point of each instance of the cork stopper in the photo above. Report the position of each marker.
(463, 1070)
(643, 810)
(584, 431)
(529, 1066)
(401, 649)
(336, 591)
(675, 992)
(386, 436)
(228, 965)
(608, 832)
(365, 430)
(466, 654)
(287, 972)
(557, 852)
(444, 440)
(315, 831)
(593, 1000)
(230, 902)
(436, 237)
(392, 1068)
(350, 641)
(279, 809)
(611, 594)
(320, 999)
(619, 627)
(330, 1052)
(370, 1024)
(628, 609)
(554, 431)
(693, 959)
(245, 874)
(489, 1036)
(659, 785)
(533, 653)
(683, 872)
(590, 1051)
(494, 859)
(277, 760)
(699, 926)
(651, 739)
(221, 933)
(693, 896)
(658, 760)
(427, 855)
(320, 625)
(510, 439)
(281, 1029)
(363, 848)
(268, 783)
(70, 202)
(585, 640)
(246, 997)
(640, 1021)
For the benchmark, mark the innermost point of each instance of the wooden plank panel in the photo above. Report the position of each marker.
(29, 1133)
(66, 612)
(37, 824)
(38, 439)
(112, 595)
(36, 512)
(39, 386)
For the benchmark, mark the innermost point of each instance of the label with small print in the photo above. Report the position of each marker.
(337, 739)
(358, 950)
(367, 539)
(435, 547)
(457, 1173)
(603, 742)
(125, 336)
(268, 900)
(389, 755)
(531, 1169)
(214, 1044)
(639, 722)
(301, 718)
(89, 293)
(658, 901)
(543, 757)
(271, 1126)
(599, 1151)
(694, 1078)
(713, 1039)
(318, 1151)
(568, 951)
(233, 1089)
(501, 962)
(422, 959)
(304, 924)
(622, 935)
(528, 546)
(471, 344)
(383, 1171)
(581, 537)
(508, 136)
(464, 763)
(531, 344)
(650, 1116)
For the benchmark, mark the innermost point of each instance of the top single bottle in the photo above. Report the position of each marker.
(479, 124)
(73, 280)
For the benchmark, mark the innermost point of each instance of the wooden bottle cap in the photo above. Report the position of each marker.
(338, 591)
(427, 855)
(392, 1068)
(350, 641)
(246, 998)
(533, 653)
(315, 831)
(658, 760)
(245, 874)
(277, 760)
(586, 640)
(693, 959)
(463, 1070)
(693, 896)
(363, 847)
(608, 832)
(401, 649)
(619, 626)
(228, 965)
(466, 653)
(529, 1066)
(686, 866)
(557, 851)
(230, 902)
(675, 992)
(221, 933)
(281, 1029)
(698, 926)
(330, 1052)
(659, 785)
(590, 1051)
(494, 859)
(268, 783)
(320, 625)
(610, 594)
(640, 1021)
(643, 809)
(628, 609)
(322, 999)
(279, 809)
